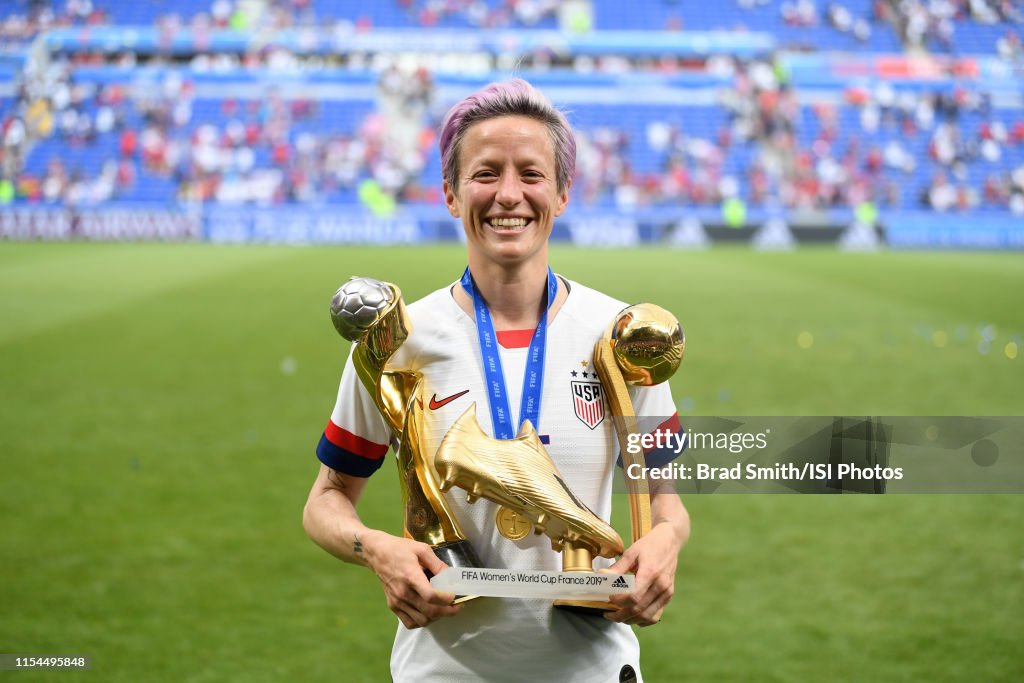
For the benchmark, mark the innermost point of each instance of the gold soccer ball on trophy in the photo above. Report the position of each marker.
(359, 303)
(648, 344)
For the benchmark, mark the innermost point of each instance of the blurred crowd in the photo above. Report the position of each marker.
(769, 147)
(252, 151)
(919, 23)
(25, 18)
(807, 155)
(769, 144)
(480, 14)
(20, 22)
(932, 24)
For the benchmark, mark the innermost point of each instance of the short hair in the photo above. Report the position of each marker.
(514, 97)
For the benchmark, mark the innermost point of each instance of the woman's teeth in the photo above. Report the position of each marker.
(507, 222)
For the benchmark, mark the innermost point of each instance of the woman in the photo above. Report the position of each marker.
(508, 158)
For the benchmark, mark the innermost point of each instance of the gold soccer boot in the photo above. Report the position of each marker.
(520, 475)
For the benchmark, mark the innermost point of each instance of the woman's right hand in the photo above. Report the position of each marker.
(401, 565)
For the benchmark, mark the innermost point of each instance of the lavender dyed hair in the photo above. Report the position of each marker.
(514, 97)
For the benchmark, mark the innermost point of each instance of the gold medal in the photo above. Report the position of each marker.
(511, 524)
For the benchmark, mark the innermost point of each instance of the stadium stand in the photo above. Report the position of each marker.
(271, 125)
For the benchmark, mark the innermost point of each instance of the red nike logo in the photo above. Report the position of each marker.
(435, 404)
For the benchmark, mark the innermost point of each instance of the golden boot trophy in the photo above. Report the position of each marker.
(520, 476)
(643, 346)
(372, 315)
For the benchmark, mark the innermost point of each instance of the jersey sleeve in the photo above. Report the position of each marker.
(356, 437)
(657, 412)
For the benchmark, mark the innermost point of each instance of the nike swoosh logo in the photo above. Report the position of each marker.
(435, 404)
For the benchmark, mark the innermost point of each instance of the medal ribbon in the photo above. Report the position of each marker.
(533, 379)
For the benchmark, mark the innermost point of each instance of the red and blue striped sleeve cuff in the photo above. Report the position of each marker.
(349, 453)
(659, 457)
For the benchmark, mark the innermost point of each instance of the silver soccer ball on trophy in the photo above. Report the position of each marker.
(359, 303)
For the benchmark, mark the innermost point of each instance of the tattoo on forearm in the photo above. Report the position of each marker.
(357, 547)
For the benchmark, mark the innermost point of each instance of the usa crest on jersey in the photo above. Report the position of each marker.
(588, 402)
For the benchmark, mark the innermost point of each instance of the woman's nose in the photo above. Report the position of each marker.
(510, 191)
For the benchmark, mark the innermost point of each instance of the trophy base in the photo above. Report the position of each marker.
(458, 554)
(594, 608)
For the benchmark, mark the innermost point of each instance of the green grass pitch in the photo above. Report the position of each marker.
(161, 404)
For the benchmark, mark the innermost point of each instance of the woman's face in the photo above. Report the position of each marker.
(508, 195)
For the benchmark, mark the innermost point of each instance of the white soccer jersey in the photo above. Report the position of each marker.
(506, 639)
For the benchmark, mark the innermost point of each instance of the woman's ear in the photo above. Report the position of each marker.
(563, 199)
(451, 200)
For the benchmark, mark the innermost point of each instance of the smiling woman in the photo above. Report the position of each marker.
(508, 157)
(508, 333)
(507, 197)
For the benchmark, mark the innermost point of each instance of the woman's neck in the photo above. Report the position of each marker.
(515, 297)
